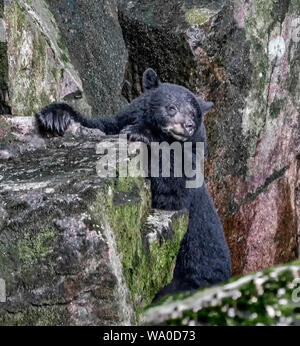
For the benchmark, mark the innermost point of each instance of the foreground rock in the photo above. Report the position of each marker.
(269, 298)
(76, 249)
(243, 56)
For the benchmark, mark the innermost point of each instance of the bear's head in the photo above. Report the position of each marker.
(173, 109)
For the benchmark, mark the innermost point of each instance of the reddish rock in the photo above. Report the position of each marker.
(241, 55)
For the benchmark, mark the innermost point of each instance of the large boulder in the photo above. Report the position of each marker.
(70, 51)
(243, 56)
(35, 66)
(77, 248)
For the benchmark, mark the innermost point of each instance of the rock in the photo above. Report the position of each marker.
(75, 248)
(162, 35)
(94, 39)
(263, 298)
(243, 56)
(35, 65)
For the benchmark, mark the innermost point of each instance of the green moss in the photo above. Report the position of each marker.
(20, 13)
(57, 74)
(125, 205)
(64, 50)
(17, 20)
(197, 16)
(27, 253)
(30, 251)
(44, 99)
(39, 59)
(18, 24)
(65, 58)
(37, 316)
(163, 257)
(39, 48)
(125, 184)
(31, 99)
(295, 7)
(61, 44)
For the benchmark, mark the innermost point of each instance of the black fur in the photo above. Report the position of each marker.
(164, 113)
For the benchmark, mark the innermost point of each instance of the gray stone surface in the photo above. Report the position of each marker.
(75, 248)
(94, 39)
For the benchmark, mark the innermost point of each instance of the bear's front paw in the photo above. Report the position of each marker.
(54, 121)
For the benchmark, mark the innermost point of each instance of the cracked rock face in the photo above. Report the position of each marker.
(75, 248)
(93, 35)
(243, 56)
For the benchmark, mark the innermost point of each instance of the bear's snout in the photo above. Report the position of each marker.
(189, 127)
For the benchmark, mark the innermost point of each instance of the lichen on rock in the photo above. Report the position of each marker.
(197, 16)
(39, 69)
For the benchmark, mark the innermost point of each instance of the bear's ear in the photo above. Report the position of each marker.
(205, 106)
(150, 80)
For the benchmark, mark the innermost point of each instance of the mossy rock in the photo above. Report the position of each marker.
(268, 298)
(76, 248)
(35, 60)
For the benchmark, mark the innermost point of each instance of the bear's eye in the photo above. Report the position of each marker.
(172, 110)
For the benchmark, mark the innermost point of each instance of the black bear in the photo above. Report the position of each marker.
(167, 113)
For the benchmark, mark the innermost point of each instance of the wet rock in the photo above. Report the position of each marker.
(74, 247)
